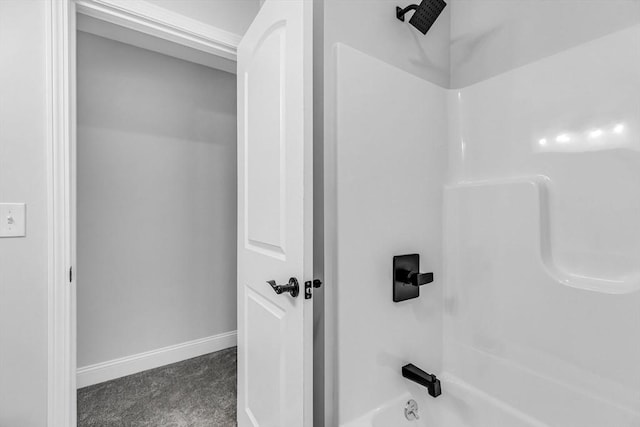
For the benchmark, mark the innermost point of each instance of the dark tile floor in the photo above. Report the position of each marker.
(199, 392)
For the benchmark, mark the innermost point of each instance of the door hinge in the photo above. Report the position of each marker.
(309, 285)
(70, 274)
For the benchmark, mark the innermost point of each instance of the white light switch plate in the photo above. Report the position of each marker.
(13, 220)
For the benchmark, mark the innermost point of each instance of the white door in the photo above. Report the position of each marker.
(275, 217)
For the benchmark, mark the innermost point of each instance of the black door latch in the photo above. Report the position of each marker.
(308, 285)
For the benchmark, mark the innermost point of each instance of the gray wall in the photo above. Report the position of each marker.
(23, 169)
(156, 200)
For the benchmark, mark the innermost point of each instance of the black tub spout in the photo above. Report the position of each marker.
(417, 375)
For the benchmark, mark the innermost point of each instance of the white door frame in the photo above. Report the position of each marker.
(61, 28)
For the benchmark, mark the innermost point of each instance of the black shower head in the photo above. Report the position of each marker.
(425, 14)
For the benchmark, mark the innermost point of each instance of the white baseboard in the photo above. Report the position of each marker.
(112, 369)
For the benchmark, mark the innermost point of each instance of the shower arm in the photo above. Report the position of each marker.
(400, 12)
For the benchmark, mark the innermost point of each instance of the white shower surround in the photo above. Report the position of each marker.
(395, 124)
(538, 316)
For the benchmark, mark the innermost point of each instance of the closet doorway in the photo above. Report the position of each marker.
(156, 148)
(275, 204)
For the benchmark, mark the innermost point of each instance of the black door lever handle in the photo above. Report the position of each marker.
(292, 287)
